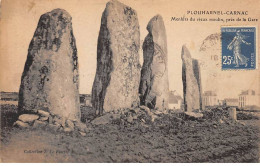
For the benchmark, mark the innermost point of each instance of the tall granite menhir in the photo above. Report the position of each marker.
(196, 69)
(154, 84)
(118, 70)
(191, 82)
(50, 79)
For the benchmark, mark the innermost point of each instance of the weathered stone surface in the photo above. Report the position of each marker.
(56, 123)
(193, 115)
(221, 121)
(70, 124)
(146, 109)
(82, 134)
(150, 114)
(39, 124)
(68, 130)
(191, 92)
(44, 118)
(50, 77)
(88, 129)
(43, 113)
(28, 118)
(80, 126)
(130, 119)
(21, 124)
(135, 117)
(233, 113)
(118, 70)
(116, 116)
(135, 110)
(60, 121)
(196, 70)
(154, 84)
(102, 120)
(153, 117)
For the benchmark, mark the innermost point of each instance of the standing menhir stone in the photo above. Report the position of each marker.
(50, 78)
(232, 113)
(191, 82)
(118, 69)
(154, 84)
(196, 69)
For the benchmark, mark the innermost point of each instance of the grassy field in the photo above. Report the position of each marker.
(171, 138)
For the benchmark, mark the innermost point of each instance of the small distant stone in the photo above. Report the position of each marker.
(102, 120)
(159, 112)
(130, 119)
(56, 123)
(67, 130)
(116, 116)
(233, 113)
(193, 114)
(60, 129)
(143, 128)
(21, 124)
(74, 120)
(43, 113)
(38, 124)
(60, 121)
(83, 133)
(152, 117)
(143, 120)
(135, 117)
(221, 121)
(88, 129)
(135, 110)
(44, 118)
(70, 124)
(242, 123)
(146, 109)
(80, 126)
(28, 118)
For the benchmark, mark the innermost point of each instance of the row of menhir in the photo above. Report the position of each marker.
(50, 80)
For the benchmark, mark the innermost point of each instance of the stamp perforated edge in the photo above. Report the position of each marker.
(256, 47)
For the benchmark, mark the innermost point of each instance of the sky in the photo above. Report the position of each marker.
(19, 20)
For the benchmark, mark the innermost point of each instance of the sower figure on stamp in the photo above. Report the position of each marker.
(235, 44)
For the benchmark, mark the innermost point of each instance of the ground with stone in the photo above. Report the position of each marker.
(136, 135)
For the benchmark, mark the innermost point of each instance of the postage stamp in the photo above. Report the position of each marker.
(239, 47)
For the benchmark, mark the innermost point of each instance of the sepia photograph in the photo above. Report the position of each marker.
(129, 81)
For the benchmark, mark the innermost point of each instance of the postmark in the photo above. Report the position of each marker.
(238, 47)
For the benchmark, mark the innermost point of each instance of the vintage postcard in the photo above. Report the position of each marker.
(129, 81)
